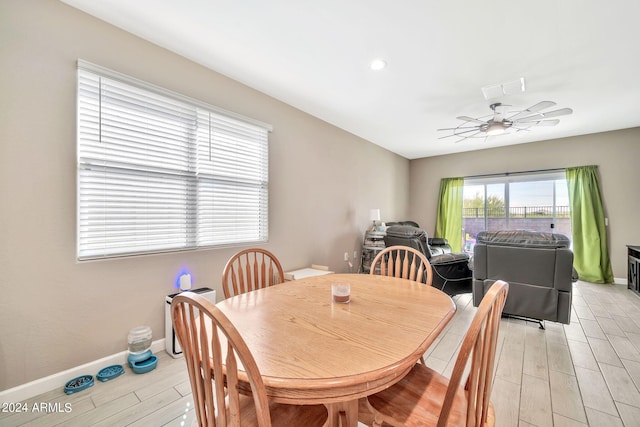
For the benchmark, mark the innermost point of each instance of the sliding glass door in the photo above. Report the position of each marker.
(537, 202)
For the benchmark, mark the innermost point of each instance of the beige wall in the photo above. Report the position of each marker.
(57, 313)
(616, 153)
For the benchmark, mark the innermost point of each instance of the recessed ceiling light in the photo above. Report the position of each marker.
(378, 64)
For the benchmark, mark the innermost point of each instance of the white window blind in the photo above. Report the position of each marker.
(159, 172)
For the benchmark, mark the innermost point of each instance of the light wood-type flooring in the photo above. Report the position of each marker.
(583, 374)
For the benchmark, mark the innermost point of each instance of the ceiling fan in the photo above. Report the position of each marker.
(503, 121)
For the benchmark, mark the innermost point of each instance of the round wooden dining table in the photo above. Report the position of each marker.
(312, 350)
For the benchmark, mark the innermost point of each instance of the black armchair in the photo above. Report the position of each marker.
(451, 270)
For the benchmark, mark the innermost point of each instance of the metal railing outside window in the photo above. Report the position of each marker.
(518, 212)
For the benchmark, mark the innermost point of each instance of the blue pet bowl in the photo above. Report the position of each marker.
(110, 372)
(144, 366)
(78, 384)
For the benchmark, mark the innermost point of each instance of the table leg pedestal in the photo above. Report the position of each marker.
(348, 411)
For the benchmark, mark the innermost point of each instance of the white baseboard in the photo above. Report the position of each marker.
(42, 385)
(620, 281)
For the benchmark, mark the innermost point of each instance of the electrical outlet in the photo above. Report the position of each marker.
(346, 256)
(355, 254)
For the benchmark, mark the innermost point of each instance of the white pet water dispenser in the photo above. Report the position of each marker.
(140, 358)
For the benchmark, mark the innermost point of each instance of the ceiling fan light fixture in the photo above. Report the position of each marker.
(495, 128)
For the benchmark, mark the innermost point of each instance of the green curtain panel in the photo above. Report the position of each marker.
(591, 256)
(449, 216)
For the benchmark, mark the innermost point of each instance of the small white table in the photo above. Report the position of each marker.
(303, 273)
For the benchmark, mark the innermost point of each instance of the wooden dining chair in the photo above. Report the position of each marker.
(214, 351)
(426, 398)
(251, 269)
(404, 262)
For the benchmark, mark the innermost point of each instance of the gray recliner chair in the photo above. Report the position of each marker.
(538, 267)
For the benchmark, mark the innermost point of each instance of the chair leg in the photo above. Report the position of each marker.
(422, 360)
(491, 417)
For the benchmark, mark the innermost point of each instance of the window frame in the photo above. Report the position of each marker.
(208, 222)
(506, 180)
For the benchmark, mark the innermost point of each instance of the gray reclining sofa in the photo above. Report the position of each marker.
(538, 267)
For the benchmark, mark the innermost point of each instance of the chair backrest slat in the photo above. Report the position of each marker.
(403, 262)
(251, 269)
(478, 347)
(209, 341)
(256, 272)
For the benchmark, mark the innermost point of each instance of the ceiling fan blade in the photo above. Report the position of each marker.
(528, 119)
(534, 108)
(474, 129)
(470, 136)
(539, 116)
(460, 127)
(541, 105)
(532, 123)
(459, 133)
(469, 119)
(556, 113)
(447, 136)
(522, 125)
(548, 122)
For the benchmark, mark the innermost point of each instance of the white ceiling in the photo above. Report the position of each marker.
(315, 56)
